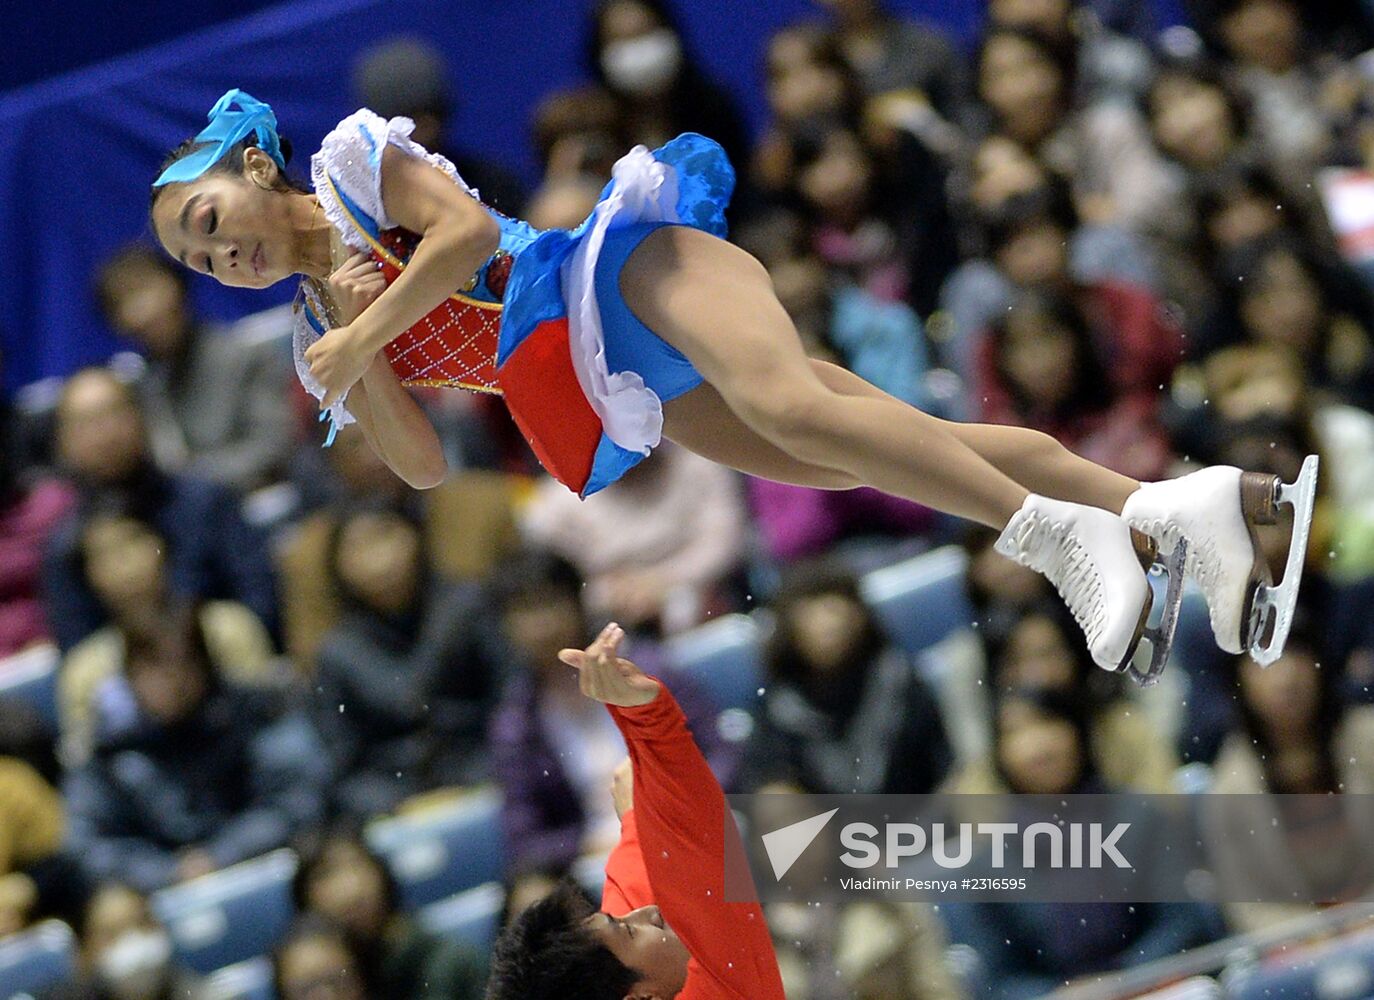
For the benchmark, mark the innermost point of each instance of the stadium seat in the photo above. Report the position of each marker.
(31, 677)
(1340, 969)
(232, 915)
(251, 980)
(472, 917)
(725, 658)
(35, 959)
(443, 849)
(921, 601)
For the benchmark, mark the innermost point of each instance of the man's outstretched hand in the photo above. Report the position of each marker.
(607, 677)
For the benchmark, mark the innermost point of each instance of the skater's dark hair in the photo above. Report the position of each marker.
(547, 953)
(230, 163)
(783, 658)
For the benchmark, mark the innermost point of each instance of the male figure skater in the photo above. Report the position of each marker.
(664, 929)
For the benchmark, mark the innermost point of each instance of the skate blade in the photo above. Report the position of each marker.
(1272, 610)
(1161, 636)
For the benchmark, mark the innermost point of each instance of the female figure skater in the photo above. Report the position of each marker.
(644, 322)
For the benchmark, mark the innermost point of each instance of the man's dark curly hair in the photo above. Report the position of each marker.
(547, 954)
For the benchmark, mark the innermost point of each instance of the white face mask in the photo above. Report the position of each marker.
(135, 966)
(643, 66)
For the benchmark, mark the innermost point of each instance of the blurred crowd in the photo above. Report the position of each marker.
(1156, 245)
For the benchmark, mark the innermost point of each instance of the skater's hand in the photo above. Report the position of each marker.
(355, 286)
(337, 362)
(623, 788)
(609, 678)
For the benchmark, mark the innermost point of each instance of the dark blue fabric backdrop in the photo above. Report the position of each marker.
(77, 152)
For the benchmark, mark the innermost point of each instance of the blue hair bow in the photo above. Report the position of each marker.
(228, 127)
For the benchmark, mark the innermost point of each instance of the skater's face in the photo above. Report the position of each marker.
(237, 228)
(346, 886)
(1039, 754)
(99, 428)
(645, 943)
(379, 561)
(318, 968)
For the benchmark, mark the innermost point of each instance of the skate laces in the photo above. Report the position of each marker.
(1202, 563)
(1051, 549)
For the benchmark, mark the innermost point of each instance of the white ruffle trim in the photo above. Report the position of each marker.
(642, 190)
(352, 155)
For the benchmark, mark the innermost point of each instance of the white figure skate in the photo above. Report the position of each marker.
(1214, 512)
(1089, 556)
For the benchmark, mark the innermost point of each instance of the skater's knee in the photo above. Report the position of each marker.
(791, 419)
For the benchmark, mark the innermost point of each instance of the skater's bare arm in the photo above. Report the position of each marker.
(457, 237)
(396, 428)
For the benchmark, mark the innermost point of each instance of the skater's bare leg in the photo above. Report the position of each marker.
(715, 303)
(701, 421)
(1035, 460)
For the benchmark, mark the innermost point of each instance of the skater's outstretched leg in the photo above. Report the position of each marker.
(1032, 458)
(715, 303)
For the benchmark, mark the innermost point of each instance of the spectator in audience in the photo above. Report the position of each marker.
(340, 879)
(1279, 294)
(126, 568)
(215, 399)
(212, 553)
(1046, 366)
(637, 52)
(1038, 651)
(1111, 40)
(410, 78)
(1031, 237)
(407, 679)
(578, 133)
(658, 551)
(868, 950)
(192, 772)
(906, 69)
(1043, 745)
(315, 961)
(469, 524)
(1103, 150)
(553, 750)
(843, 708)
(29, 512)
(1295, 737)
(124, 953)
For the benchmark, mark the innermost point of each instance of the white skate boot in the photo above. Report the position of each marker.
(1215, 511)
(1089, 556)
